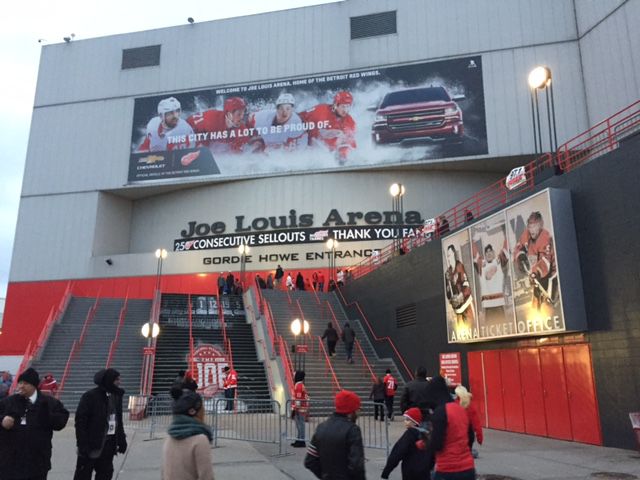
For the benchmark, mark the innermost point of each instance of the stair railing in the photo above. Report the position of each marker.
(388, 339)
(116, 338)
(26, 360)
(55, 315)
(286, 362)
(192, 365)
(67, 367)
(329, 370)
(271, 328)
(229, 353)
(222, 321)
(149, 357)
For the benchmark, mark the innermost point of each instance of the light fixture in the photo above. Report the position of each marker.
(539, 77)
(69, 38)
(108, 261)
(397, 189)
(296, 327)
(331, 244)
(190, 20)
(243, 249)
(305, 327)
(149, 331)
(161, 253)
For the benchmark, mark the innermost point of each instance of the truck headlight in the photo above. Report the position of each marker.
(450, 111)
(381, 118)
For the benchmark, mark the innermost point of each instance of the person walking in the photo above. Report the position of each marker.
(99, 428)
(390, 387)
(29, 419)
(221, 283)
(349, 338)
(331, 334)
(464, 399)
(230, 385)
(321, 281)
(278, 276)
(336, 451)
(299, 282)
(300, 408)
(186, 453)
(48, 385)
(377, 395)
(314, 278)
(410, 449)
(424, 394)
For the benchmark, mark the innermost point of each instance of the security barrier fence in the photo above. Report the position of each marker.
(253, 420)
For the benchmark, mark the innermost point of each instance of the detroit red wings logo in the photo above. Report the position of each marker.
(209, 363)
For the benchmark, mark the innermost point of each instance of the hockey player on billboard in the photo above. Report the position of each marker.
(282, 127)
(333, 125)
(224, 131)
(167, 131)
(534, 255)
(459, 292)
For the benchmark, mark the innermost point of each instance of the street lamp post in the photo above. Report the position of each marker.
(397, 191)
(540, 79)
(332, 244)
(161, 254)
(244, 250)
(298, 327)
(150, 331)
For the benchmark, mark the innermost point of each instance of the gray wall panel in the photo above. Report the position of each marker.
(590, 12)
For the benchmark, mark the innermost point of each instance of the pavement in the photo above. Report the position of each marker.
(505, 454)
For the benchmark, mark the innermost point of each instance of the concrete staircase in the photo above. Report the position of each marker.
(92, 355)
(316, 310)
(172, 348)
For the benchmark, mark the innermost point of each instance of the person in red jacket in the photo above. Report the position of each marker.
(300, 408)
(390, 387)
(464, 399)
(48, 385)
(333, 126)
(230, 384)
(450, 438)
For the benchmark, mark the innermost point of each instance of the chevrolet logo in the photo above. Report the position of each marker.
(416, 119)
(150, 159)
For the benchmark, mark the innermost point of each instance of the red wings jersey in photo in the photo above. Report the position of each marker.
(158, 138)
(390, 385)
(336, 132)
(539, 252)
(219, 137)
(301, 398)
(231, 380)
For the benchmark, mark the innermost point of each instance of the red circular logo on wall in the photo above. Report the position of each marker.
(209, 362)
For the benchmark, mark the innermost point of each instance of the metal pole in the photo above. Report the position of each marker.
(533, 122)
(553, 117)
(551, 149)
(538, 120)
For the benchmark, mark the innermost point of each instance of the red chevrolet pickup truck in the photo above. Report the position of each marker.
(426, 114)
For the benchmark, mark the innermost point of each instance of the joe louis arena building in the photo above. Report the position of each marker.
(283, 130)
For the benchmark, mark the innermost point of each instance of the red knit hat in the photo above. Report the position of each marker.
(347, 402)
(414, 415)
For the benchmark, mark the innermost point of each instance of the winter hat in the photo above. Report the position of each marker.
(30, 376)
(347, 402)
(413, 415)
(463, 394)
(187, 401)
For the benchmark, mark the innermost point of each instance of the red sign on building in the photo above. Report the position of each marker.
(302, 348)
(450, 367)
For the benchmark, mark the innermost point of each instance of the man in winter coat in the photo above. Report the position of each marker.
(390, 387)
(278, 276)
(426, 395)
(349, 338)
(331, 334)
(99, 429)
(336, 451)
(28, 421)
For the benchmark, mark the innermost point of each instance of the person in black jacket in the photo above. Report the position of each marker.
(377, 395)
(424, 394)
(28, 421)
(410, 449)
(349, 338)
(99, 429)
(331, 334)
(336, 451)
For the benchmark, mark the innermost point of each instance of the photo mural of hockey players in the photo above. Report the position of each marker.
(459, 287)
(402, 114)
(536, 292)
(491, 258)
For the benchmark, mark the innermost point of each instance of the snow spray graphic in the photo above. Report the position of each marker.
(396, 115)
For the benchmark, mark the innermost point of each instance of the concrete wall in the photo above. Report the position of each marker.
(607, 233)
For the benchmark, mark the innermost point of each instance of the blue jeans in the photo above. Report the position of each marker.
(299, 419)
(349, 347)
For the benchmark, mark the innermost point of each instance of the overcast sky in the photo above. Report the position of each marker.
(24, 22)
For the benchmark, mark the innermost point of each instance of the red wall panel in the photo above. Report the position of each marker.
(585, 419)
(476, 384)
(493, 382)
(512, 391)
(556, 403)
(535, 422)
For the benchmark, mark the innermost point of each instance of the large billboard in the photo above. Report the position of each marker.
(502, 274)
(380, 116)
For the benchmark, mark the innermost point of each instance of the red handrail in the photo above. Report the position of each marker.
(336, 383)
(229, 353)
(602, 138)
(67, 368)
(26, 360)
(192, 367)
(271, 329)
(286, 362)
(116, 338)
(376, 337)
(149, 359)
(222, 321)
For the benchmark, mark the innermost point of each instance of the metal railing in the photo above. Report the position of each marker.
(116, 337)
(598, 140)
(335, 384)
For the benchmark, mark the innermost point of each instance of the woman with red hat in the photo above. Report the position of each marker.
(410, 449)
